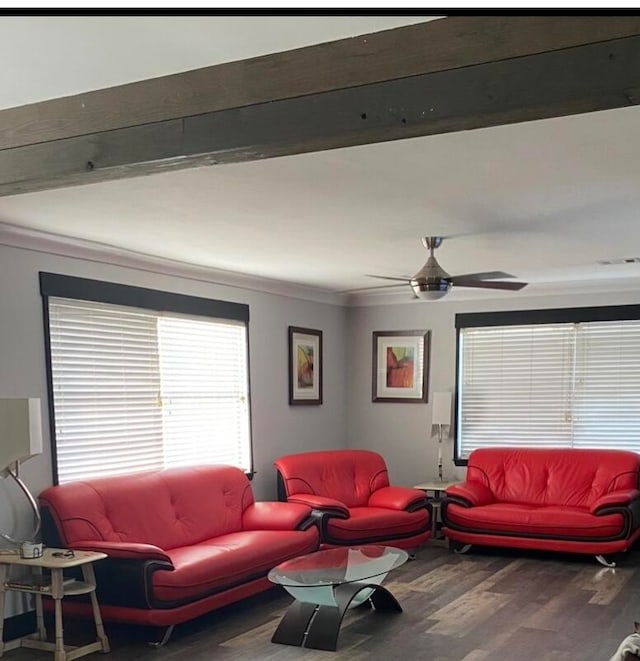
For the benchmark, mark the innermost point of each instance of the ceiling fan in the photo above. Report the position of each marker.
(432, 281)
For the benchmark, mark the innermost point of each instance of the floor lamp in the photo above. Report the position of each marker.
(20, 439)
(441, 417)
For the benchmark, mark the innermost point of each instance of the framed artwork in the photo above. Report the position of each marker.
(400, 366)
(305, 366)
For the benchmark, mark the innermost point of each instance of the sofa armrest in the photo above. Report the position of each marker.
(275, 516)
(124, 550)
(469, 494)
(620, 498)
(324, 504)
(398, 498)
(125, 577)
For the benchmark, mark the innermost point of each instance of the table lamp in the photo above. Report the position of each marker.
(20, 439)
(441, 416)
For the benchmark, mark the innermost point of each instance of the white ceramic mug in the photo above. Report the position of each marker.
(30, 550)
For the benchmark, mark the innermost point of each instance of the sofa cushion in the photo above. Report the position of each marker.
(227, 560)
(368, 522)
(518, 519)
(168, 509)
(534, 476)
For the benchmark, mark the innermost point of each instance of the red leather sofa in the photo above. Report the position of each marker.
(576, 501)
(350, 492)
(180, 542)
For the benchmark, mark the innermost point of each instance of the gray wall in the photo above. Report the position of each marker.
(277, 427)
(402, 432)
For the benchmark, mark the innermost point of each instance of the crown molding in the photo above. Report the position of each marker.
(66, 246)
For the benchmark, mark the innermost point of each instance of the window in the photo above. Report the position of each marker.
(137, 388)
(562, 380)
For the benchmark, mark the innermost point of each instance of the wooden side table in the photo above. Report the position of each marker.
(56, 587)
(436, 487)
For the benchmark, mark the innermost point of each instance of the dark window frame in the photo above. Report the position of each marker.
(99, 291)
(528, 317)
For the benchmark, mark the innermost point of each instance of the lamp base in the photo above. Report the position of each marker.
(440, 452)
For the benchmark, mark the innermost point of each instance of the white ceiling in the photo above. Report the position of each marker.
(54, 56)
(542, 200)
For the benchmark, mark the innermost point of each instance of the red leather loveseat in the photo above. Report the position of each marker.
(349, 490)
(577, 501)
(181, 542)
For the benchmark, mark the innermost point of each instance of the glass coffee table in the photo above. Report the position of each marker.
(327, 583)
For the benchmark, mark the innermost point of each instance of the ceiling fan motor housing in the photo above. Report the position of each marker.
(431, 281)
(430, 288)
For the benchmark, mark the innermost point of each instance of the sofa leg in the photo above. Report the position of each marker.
(458, 548)
(165, 638)
(603, 561)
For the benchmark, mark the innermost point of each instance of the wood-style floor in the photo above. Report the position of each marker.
(484, 605)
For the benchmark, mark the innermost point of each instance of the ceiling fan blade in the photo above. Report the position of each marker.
(487, 275)
(388, 277)
(355, 291)
(488, 284)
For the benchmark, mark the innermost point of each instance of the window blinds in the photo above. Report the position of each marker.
(135, 389)
(607, 385)
(553, 385)
(515, 386)
(204, 395)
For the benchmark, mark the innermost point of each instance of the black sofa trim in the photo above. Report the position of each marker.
(207, 593)
(127, 584)
(324, 517)
(631, 515)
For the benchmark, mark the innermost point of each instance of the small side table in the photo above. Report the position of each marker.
(436, 487)
(56, 560)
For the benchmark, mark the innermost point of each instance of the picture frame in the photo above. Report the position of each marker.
(400, 366)
(305, 366)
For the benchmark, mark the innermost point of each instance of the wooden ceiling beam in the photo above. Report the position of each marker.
(445, 75)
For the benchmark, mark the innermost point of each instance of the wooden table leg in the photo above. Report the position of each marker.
(59, 652)
(57, 594)
(41, 630)
(89, 577)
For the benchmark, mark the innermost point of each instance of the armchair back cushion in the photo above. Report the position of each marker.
(350, 476)
(532, 476)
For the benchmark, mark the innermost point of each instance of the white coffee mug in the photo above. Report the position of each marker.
(30, 550)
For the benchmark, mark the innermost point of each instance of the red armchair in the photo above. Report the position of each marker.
(349, 491)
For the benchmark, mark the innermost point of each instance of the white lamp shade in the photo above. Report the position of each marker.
(20, 430)
(441, 408)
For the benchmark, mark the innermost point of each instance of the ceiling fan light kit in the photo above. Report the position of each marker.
(432, 282)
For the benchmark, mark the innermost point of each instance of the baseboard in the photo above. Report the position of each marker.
(19, 625)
